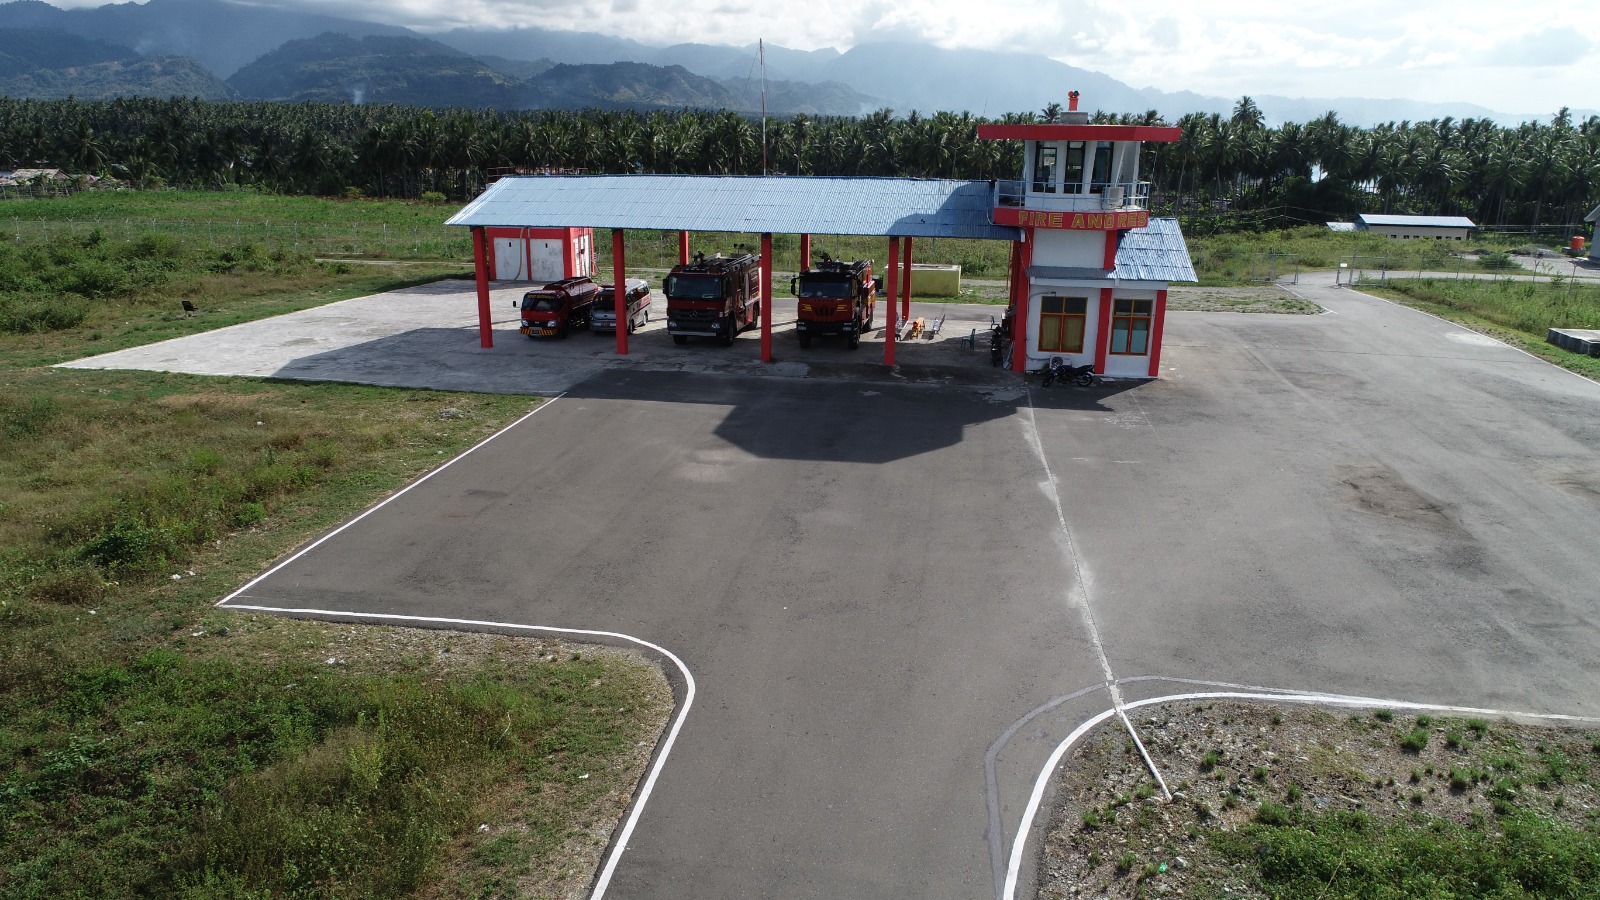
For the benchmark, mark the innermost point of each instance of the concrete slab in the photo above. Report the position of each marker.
(427, 337)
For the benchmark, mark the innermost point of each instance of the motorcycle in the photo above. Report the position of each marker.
(1057, 369)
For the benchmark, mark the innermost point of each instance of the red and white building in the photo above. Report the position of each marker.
(539, 255)
(1089, 265)
(1090, 270)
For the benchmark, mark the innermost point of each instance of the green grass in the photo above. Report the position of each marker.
(1517, 312)
(1244, 258)
(152, 745)
(1346, 855)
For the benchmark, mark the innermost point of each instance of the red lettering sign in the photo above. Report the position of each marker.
(1074, 221)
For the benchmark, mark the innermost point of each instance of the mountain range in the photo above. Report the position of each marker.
(165, 47)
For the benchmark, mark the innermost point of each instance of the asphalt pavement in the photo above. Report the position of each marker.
(897, 598)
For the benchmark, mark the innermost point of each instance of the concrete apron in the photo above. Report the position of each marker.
(426, 337)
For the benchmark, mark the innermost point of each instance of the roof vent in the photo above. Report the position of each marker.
(1072, 116)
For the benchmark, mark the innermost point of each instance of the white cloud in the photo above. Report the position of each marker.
(1434, 50)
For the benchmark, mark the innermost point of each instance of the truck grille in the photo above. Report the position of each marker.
(695, 316)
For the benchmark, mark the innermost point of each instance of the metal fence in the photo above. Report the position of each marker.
(1267, 268)
(1354, 270)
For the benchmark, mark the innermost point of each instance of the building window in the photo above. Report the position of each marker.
(1102, 167)
(1061, 321)
(1073, 174)
(1044, 169)
(1130, 327)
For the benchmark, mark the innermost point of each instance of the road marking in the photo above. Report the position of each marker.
(1019, 843)
(386, 501)
(620, 840)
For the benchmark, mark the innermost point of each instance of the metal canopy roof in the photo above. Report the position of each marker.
(1156, 252)
(895, 207)
(1417, 221)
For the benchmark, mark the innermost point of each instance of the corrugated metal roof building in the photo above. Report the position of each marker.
(1442, 228)
(1089, 281)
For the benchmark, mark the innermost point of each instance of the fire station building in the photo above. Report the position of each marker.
(1089, 266)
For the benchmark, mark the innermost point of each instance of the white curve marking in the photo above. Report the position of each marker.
(1019, 844)
(621, 842)
(387, 500)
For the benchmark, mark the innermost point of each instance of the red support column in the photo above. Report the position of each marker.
(805, 252)
(1102, 338)
(766, 297)
(1019, 322)
(619, 289)
(905, 300)
(1155, 333)
(1110, 261)
(892, 282)
(480, 262)
(683, 248)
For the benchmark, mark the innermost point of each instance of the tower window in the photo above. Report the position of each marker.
(1074, 168)
(1044, 169)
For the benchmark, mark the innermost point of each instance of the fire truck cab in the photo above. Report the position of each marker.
(835, 298)
(558, 307)
(713, 297)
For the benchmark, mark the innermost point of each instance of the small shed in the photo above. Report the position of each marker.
(1593, 218)
(1438, 228)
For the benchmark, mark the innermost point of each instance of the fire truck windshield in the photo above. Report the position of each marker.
(541, 302)
(694, 287)
(811, 288)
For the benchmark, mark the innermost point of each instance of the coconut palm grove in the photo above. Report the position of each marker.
(1533, 175)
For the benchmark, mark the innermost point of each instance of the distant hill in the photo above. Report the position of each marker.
(52, 65)
(374, 69)
(223, 36)
(623, 86)
(228, 35)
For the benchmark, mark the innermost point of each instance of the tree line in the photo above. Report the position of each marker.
(1530, 175)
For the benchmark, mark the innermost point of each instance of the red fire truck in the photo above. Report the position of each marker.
(835, 298)
(558, 307)
(718, 297)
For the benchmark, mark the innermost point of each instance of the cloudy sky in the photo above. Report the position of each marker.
(1530, 56)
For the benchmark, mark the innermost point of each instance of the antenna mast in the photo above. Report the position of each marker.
(761, 50)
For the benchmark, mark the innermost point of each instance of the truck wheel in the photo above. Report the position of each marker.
(805, 341)
(728, 331)
(680, 339)
(854, 340)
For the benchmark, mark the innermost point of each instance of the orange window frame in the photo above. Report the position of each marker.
(1131, 321)
(1057, 320)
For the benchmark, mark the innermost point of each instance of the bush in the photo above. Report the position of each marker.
(37, 315)
(432, 197)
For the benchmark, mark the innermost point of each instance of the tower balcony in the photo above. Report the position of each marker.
(1106, 196)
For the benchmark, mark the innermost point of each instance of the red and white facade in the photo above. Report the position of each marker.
(539, 255)
(1079, 195)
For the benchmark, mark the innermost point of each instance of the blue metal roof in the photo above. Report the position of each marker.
(1417, 221)
(899, 207)
(1156, 252)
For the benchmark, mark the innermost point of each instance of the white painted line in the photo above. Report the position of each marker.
(620, 842)
(386, 501)
(1019, 843)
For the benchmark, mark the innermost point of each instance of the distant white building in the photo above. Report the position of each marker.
(1593, 218)
(1439, 228)
(1341, 226)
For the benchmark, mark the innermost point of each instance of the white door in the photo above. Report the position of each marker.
(547, 261)
(509, 263)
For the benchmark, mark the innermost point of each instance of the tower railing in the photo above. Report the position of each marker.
(1103, 195)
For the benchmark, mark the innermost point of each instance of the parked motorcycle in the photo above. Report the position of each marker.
(1058, 370)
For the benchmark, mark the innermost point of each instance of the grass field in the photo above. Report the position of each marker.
(1517, 312)
(151, 745)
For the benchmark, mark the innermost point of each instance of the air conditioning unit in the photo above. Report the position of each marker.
(1115, 195)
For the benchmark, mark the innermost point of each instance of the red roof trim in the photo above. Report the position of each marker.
(1146, 133)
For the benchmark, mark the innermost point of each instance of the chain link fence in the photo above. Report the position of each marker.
(1235, 266)
(1354, 270)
